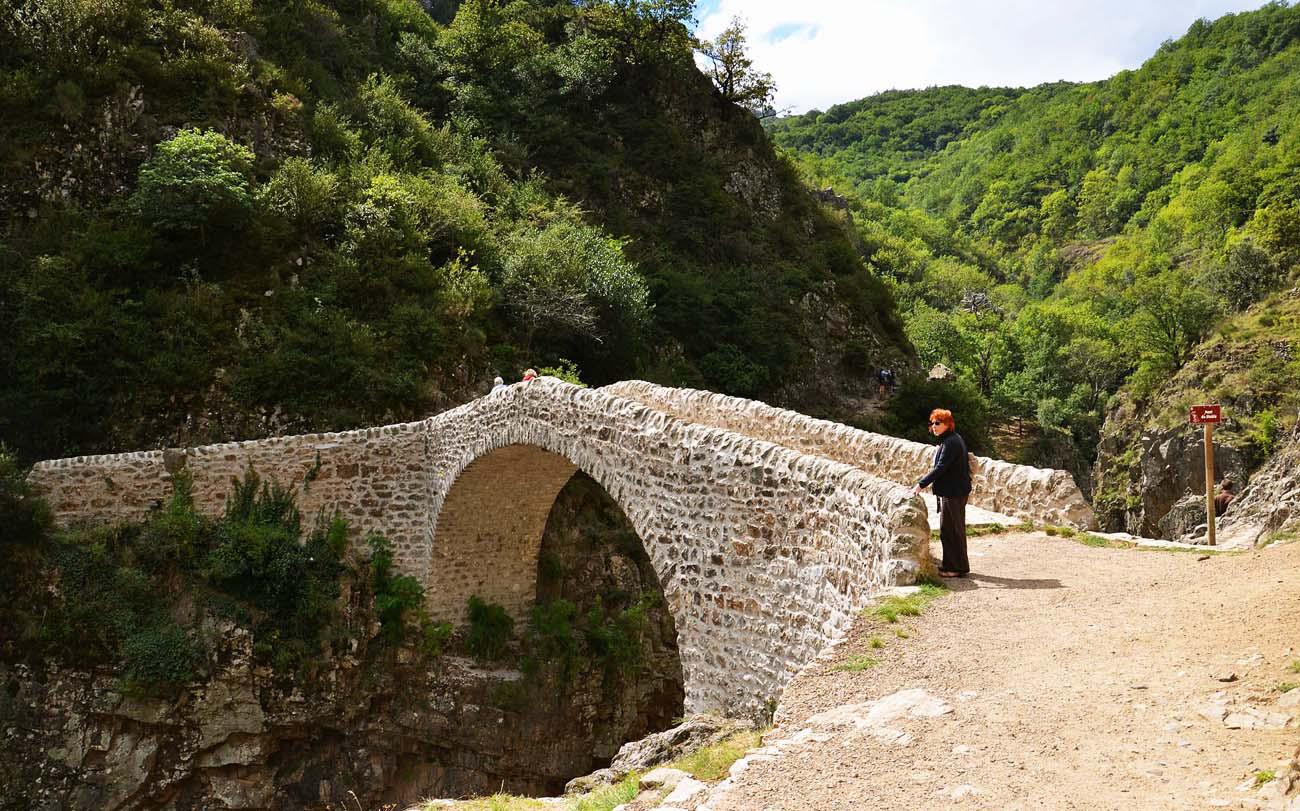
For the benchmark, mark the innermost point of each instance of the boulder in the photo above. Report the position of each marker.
(1185, 519)
(662, 747)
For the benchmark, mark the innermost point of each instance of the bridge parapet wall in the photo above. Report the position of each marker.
(1036, 494)
(376, 478)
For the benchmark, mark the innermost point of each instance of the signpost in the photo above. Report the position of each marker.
(1208, 415)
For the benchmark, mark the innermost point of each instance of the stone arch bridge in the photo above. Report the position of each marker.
(768, 529)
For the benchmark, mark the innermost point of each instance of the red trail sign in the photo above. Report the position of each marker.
(1206, 414)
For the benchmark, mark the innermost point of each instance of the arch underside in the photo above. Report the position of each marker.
(489, 531)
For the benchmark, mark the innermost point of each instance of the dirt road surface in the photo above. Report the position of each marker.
(1058, 676)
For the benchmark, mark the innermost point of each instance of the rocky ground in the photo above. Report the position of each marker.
(1059, 676)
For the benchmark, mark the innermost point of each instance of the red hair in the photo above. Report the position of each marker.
(944, 416)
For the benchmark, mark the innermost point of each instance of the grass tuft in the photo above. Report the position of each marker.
(713, 762)
(891, 608)
(1287, 686)
(602, 799)
(1295, 666)
(876, 642)
(605, 799)
(1264, 776)
(856, 664)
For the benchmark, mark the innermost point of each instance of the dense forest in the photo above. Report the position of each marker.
(222, 219)
(1067, 248)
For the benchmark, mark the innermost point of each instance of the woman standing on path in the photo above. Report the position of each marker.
(951, 479)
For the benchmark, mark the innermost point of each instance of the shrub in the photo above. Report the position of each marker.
(615, 640)
(551, 633)
(1264, 433)
(160, 653)
(397, 597)
(434, 637)
(256, 556)
(301, 198)
(565, 370)
(909, 411)
(196, 182)
(24, 518)
(490, 628)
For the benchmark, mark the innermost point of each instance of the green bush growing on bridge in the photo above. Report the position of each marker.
(293, 587)
(398, 598)
(490, 628)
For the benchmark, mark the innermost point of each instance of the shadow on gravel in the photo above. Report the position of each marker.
(976, 580)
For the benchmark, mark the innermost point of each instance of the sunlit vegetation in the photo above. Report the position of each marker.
(1057, 245)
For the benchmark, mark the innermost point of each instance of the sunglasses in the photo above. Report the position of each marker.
(935, 422)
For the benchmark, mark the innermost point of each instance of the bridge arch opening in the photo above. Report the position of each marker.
(526, 528)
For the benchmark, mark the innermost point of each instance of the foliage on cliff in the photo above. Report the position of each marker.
(227, 219)
(1056, 244)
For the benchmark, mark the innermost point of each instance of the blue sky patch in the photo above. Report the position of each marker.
(787, 30)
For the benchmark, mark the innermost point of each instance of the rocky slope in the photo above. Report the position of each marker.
(1150, 457)
(373, 723)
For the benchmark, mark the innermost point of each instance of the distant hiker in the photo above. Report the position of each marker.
(1227, 492)
(952, 483)
(497, 384)
(530, 374)
(883, 377)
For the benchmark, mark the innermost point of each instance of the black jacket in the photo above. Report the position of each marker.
(951, 472)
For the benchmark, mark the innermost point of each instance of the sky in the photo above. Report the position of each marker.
(822, 52)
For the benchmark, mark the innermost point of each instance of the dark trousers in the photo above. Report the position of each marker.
(952, 533)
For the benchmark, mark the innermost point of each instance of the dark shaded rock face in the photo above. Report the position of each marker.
(1158, 470)
(381, 724)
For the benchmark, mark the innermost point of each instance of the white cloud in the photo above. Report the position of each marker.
(821, 52)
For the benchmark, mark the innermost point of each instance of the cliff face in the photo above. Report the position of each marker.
(1268, 509)
(243, 739)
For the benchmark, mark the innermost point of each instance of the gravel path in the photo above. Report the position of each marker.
(1067, 676)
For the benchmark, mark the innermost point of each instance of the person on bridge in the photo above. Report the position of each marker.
(951, 479)
(529, 374)
(497, 384)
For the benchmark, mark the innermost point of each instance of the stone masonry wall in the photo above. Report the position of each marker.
(377, 478)
(1032, 493)
(765, 554)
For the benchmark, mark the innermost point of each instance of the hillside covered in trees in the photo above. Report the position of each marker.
(1067, 248)
(222, 219)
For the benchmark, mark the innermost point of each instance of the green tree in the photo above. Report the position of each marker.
(1248, 274)
(1096, 198)
(196, 182)
(733, 72)
(1173, 315)
(571, 279)
(1057, 215)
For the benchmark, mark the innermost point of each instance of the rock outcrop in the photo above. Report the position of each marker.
(1269, 507)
